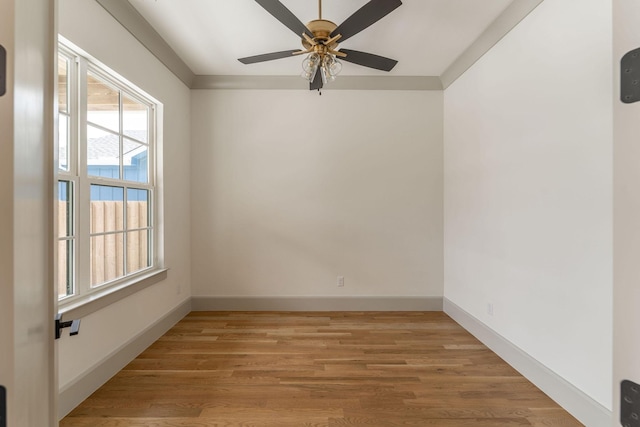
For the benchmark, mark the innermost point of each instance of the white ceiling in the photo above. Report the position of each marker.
(425, 36)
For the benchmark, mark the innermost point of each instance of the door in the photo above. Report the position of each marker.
(626, 294)
(27, 365)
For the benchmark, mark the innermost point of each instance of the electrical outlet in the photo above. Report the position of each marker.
(340, 281)
(629, 404)
(490, 309)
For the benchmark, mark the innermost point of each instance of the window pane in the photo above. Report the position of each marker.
(138, 256)
(107, 258)
(135, 119)
(137, 209)
(103, 104)
(65, 268)
(135, 164)
(107, 209)
(63, 83)
(63, 142)
(103, 153)
(65, 209)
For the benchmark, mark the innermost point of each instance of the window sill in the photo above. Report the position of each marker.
(100, 299)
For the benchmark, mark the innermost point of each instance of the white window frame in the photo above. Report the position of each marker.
(71, 175)
(106, 293)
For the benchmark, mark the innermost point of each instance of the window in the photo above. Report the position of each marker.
(106, 182)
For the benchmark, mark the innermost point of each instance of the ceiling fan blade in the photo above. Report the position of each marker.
(284, 15)
(316, 84)
(367, 15)
(267, 56)
(368, 60)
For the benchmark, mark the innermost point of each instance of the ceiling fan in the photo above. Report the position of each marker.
(320, 39)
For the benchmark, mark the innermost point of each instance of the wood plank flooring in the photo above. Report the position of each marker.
(318, 369)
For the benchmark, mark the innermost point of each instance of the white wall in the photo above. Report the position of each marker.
(89, 26)
(291, 189)
(528, 191)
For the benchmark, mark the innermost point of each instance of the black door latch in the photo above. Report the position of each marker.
(73, 324)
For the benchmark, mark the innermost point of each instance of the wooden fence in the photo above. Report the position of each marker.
(108, 255)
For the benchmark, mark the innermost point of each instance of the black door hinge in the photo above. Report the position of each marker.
(629, 404)
(630, 77)
(3, 406)
(3, 77)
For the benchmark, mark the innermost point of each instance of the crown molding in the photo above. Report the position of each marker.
(505, 22)
(296, 83)
(132, 21)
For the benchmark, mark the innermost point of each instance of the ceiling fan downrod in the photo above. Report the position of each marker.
(319, 9)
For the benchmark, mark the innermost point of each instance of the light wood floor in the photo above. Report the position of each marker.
(318, 369)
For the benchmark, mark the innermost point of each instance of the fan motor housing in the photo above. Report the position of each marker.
(321, 29)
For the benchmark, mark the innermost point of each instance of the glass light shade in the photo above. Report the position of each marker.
(310, 66)
(324, 75)
(331, 67)
(335, 68)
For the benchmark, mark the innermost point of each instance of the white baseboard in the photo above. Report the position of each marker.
(78, 390)
(577, 403)
(215, 303)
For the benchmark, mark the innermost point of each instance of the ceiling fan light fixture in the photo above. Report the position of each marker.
(320, 39)
(310, 66)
